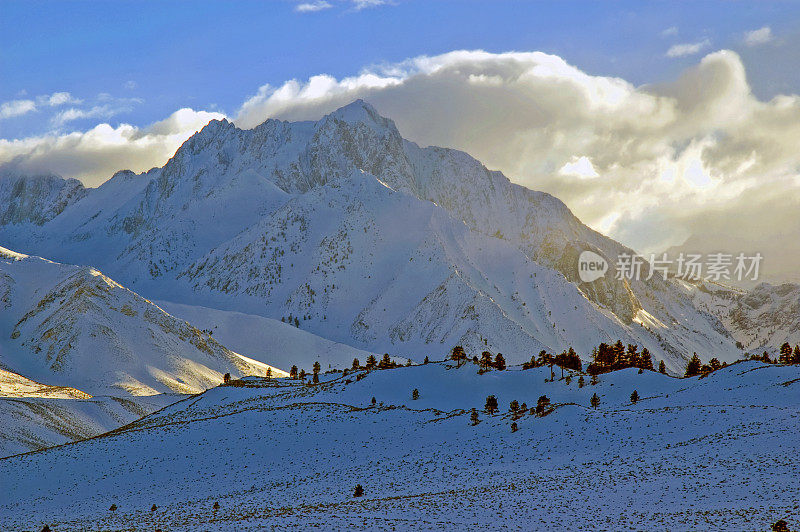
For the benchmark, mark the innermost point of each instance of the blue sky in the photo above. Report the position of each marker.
(156, 57)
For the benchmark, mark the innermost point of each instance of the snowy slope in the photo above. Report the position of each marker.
(36, 422)
(691, 454)
(283, 345)
(225, 185)
(72, 326)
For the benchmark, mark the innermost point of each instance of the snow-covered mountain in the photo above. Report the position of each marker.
(759, 319)
(72, 326)
(372, 239)
(691, 454)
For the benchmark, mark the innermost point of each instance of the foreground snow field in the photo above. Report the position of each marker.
(713, 453)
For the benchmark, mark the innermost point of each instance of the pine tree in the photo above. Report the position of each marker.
(386, 362)
(415, 394)
(513, 427)
(500, 362)
(646, 360)
(269, 372)
(714, 364)
(473, 417)
(371, 362)
(316, 367)
(786, 353)
(486, 360)
(542, 406)
(594, 380)
(458, 354)
(293, 372)
(426, 360)
(226, 378)
(491, 404)
(595, 401)
(796, 355)
(356, 363)
(580, 381)
(694, 366)
(634, 397)
(113, 508)
(374, 401)
(514, 408)
(662, 368)
(359, 491)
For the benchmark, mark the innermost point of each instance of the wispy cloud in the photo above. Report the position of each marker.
(364, 4)
(759, 36)
(58, 98)
(16, 108)
(682, 50)
(669, 32)
(311, 7)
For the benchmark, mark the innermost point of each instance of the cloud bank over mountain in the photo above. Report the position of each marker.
(699, 157)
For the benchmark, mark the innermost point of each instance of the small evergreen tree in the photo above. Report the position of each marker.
(113, 508)
(595, 401)
(694, 366)
(458, 354)
(216, 506)
(513, 427)
(514, 408)
(786, 353)
(491, 405)
(634, 397)
(499, 362)
(356, 363)
(473, 417)
(415, 394)
(568, 380)
(386, 362)
(302, 375)
(796, 355)
(359, 491)
(543, 406)
(316, 367)
(269, 372)
(374, 401)
(426, 360)
(714, 364)
(371, 362)
(226, 378)
(594, 380)
(293, 372)
(580, 382)
(486, 360)
(662, 368)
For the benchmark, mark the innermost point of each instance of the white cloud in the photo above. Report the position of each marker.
(16, 108)
(759, 36)
(58, 98)
(310, 7)
(682, 50)
(94, 155)
(579, 167)
(669, 32)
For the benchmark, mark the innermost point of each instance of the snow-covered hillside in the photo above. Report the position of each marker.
(702, 453)
(263, 221)
(72, 326)
(47, 418)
